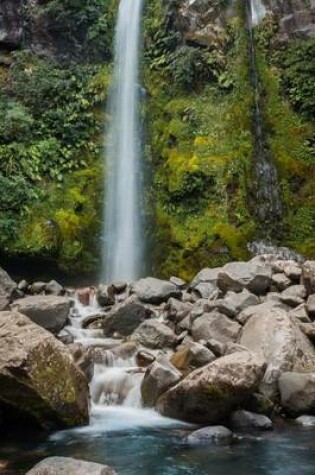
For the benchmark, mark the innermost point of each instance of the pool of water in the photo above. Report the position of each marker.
(135, 443)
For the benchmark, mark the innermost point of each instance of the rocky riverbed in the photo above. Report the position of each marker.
(232, 350)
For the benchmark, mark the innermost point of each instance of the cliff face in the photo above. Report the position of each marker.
(296, 17)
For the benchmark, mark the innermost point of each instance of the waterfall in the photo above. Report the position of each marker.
(265, 177)
(122, 234)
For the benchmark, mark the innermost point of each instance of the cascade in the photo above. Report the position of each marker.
(122, 234)
(265, 178)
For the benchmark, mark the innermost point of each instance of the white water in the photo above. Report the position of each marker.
(122, 237)
(258, 11)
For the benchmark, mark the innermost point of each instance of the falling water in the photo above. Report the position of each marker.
(258, 11)
(122, 237)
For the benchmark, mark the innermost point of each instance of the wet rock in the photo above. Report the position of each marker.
(91, 320)
(154, 334)
(84, 295)
(208, 435)
(159, 377)
(105, 295)
(7, 288)
(273, 335)
(236, 276)
(294, 295)
(155, 291)
(308, 276)
(65, 337)
(216, 326)
(69, 466)
(259, 404)
(125, 350)
(281, 281)
(297, 393)
(307, 421)
(310, 306)
(144, 358)
(80, 355)
(241, 420)
(209, 394)
(119, 287)
(48, 311)
(191, 356)
(124, 319)
(54, 288)
(38, 376)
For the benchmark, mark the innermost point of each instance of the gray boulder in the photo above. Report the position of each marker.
(310, 306)
(155, 291)
(236, 276)
(209, 394)
(7, 288)
(159, 377)
(300, 313)
(281, 281)
(216, 326)
(191, 356)
(297, 393)
(205, 290)
(48, 311)
(124, 319)
(292, 270)
(105, 295)
(210, 435)
(308, 276)
(241, 300)
(38, 376)
(154, 334)
(241, 420)
(307, 421)
(54, 288)
(294, 295)
(206, 275)
(69, 466)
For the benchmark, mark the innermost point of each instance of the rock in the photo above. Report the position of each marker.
(48, 311)
(310, 306)
(216, 347)
(249, 420)
(216, 326)
(154, 334)
(184, 325)
(54, 288)
(37, 288)
(234, 348)
(38, 376)
(309, 330)
(178, 282)
(23, 285)
(93, 321)
(236, 276)
(191, 356)
(125, 318)
(144, 358)
(281, 281)
(273, 335)
(155, 291)
(176, 310)
(7, 288)
(305, 420)
(308, 276)
(297, 393)
(205, 290)
(292, 270)
(294, 295)
(206, 275)
(222, 306)
(80, 355)
(209, 394)
(259, 404)
(69, 466)
(159, 377)
(300, 313)
(119, 287)
(65, 337)
(105, 295)
(241, 300)
(213, 434)
(83, 295)
(125, 350)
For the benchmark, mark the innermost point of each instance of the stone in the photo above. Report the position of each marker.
(294, 295)
(7, 288)
(236, 276)
(310, 306)
(176, 310)
(154, 334)
(38, 376)
(155, 291)
(54, 288)
(205, 290)
(119, 287)
(234, 348)
(222, 306)
(307, 421)
(144, 358)
(48, 311)
(292, 270)
(69, 466)
(81, 357)
(93, 320)
(216, 347)
(178, 282)
(125, 318)
(37, 288)
(210, 435)
(105, 295)
(216, 326)
(191, 356)
(259, 404)
(83, 295)
(308, 276)
(241, 420)
(159, 377)
(309, 330)
(206, 275)
(300, 313)
(23, 285)
(281, 281)
(297, 393)
(274, 336)
(210, 394)
(241, 300)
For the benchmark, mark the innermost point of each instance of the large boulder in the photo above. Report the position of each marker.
(69, 466)
(154, 334)
(7, 288)
(211, 435)
(276, 337)
(237, 276)
(124, 319)
(38, 376)
(48, 311)
(216, 326)
(297, 393)
(159, 377)
(155, 291)
(242, 420)
(308, 276)
(209, 394)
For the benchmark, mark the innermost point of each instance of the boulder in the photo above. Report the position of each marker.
(294, 295)
(84, 295)
(308, 276)
(154, 334)
(178, 282)
(309, 330)
(54, 288)
(222, 306)
(259, 404)
(81, 357)
(210, 435)
(38, 376)
(209, 394)
(241, 300)
(310, 306)
(241, 420)
(297, 393)
(236, 276)
(155, 291)
(292, 270)
(69, 466)
(105, 295)
(277, 338)
(125, 318)
(307, 421)
(205, 290)
(48, 311)
(249, 312)
(7, 288)
(191, 356)
(216, 326)
(281, 281)
(175, 310)
(206, 275)
(216, 347)
(159, 377)
(37, 288)
(300, 313)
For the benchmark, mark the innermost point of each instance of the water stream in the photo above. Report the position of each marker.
(122, 235)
